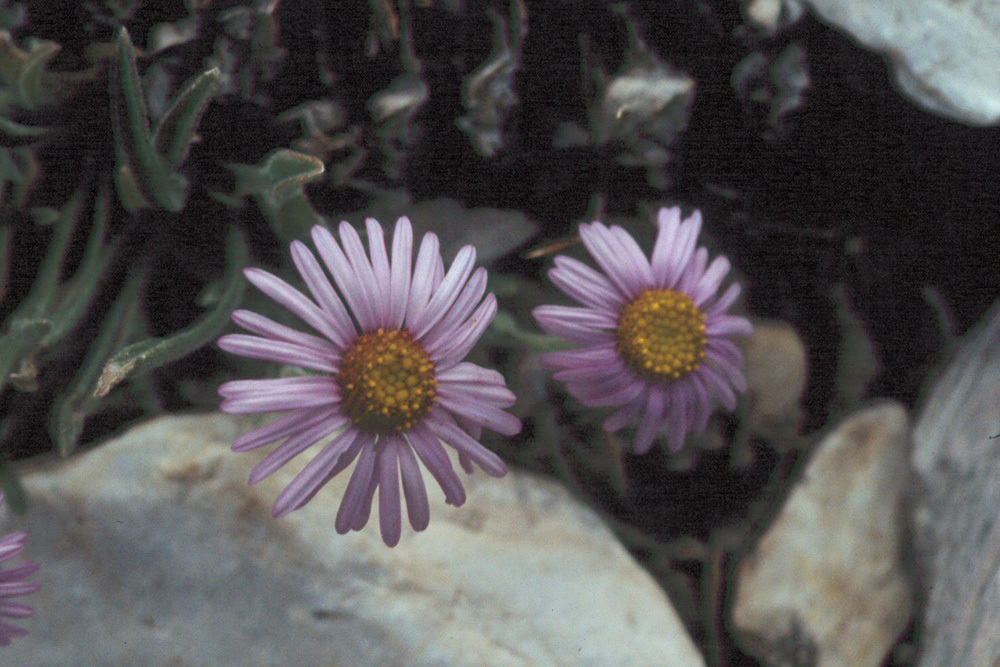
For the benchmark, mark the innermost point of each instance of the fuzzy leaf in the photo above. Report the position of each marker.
(78, 295)
(43, 292)
(279, 178)
(152, 176)
(293, 219)
(66, 422)
(15, 134)
(30, 83)
(154, 352)
(32, 322)
(176, 131)
(25, 169)
(129, 191)
(20, 341)
(505, 332)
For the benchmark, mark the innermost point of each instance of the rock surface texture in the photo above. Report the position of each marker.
(944, 54)
(777, 369)
(956, 500)
(154, 551)
(824, 586)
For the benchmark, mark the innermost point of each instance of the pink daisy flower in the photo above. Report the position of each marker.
(12, 585)
(654, 336)
(392, 386)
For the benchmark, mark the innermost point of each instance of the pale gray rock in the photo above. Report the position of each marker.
(944, 54)
(956, 499)
(154, 551)
(825, 586)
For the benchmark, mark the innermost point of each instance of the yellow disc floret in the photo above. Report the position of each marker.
(387, 382)
(661, 335)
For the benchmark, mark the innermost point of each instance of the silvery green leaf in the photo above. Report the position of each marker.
(20, 340)
(45, 215)
(12, 17)
(15, 134)
(43, 292)
(146, 355)
(31, 322)
(493, 231)
(19, 166)
(278, 186)
(21, 70)
(129, 191)
(151, 175)
(72, 408)
(293, 219)
(30, 81)
(176, 131)
(80, 291)
(505, 332)
(280, 177)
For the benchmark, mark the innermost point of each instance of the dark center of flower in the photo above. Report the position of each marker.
(661, 335)
(387, 382)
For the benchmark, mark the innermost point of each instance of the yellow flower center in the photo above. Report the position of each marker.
(661, 335)
(387, 382)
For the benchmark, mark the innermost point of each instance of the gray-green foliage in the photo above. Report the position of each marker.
(116, 356)
(47, 320)
(277, 184)
(148, 159)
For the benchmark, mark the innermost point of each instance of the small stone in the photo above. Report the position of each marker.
(776, 369)
(825, 582)
(155, 551)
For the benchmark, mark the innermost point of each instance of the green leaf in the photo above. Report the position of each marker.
(30, 83)
(293, 219)
(280, 177)
(154, 352)
(78, 295)
(175, 134)
(28, 169)
(129, 191)
(66, 422)
(45, 215)
(504, 332)
(43, 292)
(20, 341)
(278, 186)
(153, 178)
(12, 17)
(15, 134)
(31, 322)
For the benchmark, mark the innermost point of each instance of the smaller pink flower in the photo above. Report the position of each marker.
(12, 585)
(655, 339)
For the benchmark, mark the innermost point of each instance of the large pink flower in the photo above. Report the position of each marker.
(12, 585)
(654, 336)
(391, 384)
